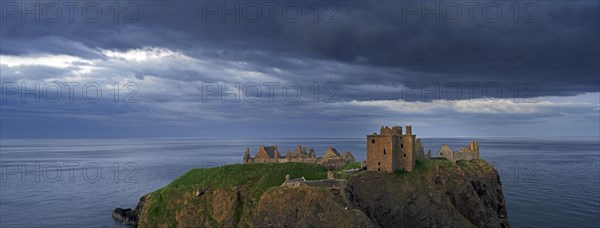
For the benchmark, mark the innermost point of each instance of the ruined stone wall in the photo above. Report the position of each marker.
(300, 155)
(261, 160)
(446, 152)
(462, 156)
(262, 156)
(281, 160)
(420, 151)
(305, 160)
(326, 183)
(472, 149)
(467, 153)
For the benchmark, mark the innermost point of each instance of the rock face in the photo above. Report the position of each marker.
(463, 195)
(125, 216)
(128, 216)
(224, 205)
(307, 207)
(438, 193)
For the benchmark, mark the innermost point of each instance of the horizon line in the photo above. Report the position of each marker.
(228, 138)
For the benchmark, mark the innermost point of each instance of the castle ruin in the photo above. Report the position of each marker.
(467, 153)
(387, 151)
(271, 154)
(392, 150)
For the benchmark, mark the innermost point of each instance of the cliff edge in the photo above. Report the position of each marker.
(438, 193)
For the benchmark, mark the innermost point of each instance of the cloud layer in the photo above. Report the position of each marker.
(362, 64)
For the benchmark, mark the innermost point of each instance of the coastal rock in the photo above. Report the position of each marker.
(127, 216)
(307, 207)
(438, 193)
(467, 194)
(224, 205)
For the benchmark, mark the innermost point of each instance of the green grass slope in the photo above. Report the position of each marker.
(250, 180)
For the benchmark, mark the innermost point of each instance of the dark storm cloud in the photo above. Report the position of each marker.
(558, 51)
(370, 50)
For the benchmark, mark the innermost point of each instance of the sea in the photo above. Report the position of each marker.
(547, 182)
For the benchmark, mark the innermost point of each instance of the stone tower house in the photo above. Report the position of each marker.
(391, 150)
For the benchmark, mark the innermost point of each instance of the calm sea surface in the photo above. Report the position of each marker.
(547, 182)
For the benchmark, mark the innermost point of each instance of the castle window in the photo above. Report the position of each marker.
(378, 169)
(401, 145)
(384, 151)
(404, 155)
(378, 163)
(373, 141)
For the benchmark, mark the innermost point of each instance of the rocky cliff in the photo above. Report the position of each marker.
(438, 193)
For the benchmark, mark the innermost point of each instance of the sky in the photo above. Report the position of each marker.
(275, 69)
